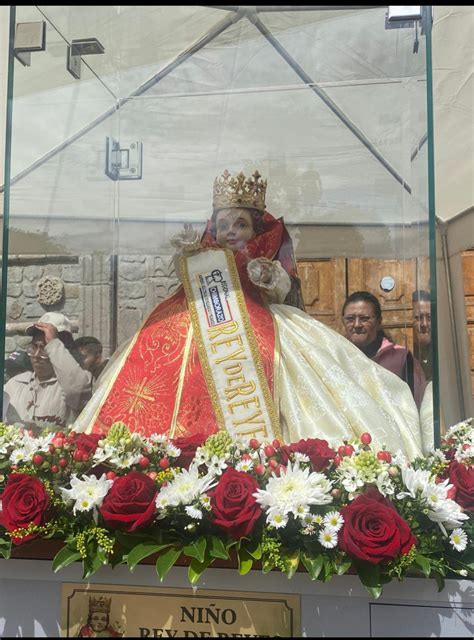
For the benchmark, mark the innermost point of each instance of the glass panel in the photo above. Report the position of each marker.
(328, 105)
(62, 224)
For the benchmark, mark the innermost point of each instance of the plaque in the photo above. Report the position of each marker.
(113, 611)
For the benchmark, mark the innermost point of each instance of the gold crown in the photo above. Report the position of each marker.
(239, 192)
(101, 604)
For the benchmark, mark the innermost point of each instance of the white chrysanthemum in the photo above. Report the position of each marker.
(277, 519)
(414, 481)
(193, 512)
(158, 438)
(333, 520)
(244, 465)
(328, 537)
(172, 451)
(20, 455)
(29, 446)
(318, 519)
(458, 539)
(293, 489)
(87, 492)
(300, 457)
(185, 488)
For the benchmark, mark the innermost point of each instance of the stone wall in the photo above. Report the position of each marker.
(104, 296)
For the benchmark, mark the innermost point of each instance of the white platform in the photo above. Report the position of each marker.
(30, 600)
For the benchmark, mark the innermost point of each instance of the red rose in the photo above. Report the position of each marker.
(24, 501)
(88, 442)
(130, 503)
(318, 451)
(188, 446)
(234, 508)
(462, 478)
(373, 529)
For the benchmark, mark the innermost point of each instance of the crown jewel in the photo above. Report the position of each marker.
(239, 192)
(101, 604)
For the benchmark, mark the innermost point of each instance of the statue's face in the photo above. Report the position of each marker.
(234, 228)
(360, 323)
(99, 621)
(422, 322)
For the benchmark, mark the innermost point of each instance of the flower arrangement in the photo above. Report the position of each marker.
(121, 497)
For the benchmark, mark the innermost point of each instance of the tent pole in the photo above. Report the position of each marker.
(326, 99)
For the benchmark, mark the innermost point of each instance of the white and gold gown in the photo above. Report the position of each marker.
(325, 386)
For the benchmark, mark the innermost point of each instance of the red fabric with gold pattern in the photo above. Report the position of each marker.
(143, 394)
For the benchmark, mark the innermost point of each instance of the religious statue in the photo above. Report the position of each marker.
(98, 621)
(226, 352)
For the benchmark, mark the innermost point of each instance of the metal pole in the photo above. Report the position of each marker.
(326, 99)
(157, 77)
(443, 228)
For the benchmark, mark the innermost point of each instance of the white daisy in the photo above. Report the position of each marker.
(333, 520)
(458, 539)
(244, 465)
(328, 538)
(277, 519)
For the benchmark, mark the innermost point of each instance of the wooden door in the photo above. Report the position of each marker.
(327, 282)
(324, 286)
(366, 274)
(468, 278)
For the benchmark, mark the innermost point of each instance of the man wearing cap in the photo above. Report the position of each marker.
(58, 387)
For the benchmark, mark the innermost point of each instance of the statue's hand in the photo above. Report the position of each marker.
(187, 240)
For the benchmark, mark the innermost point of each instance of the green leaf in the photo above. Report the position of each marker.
(424, 563)
(245, 561)
(292, 562)
(342, 567)
(196, 568)
(129, 540)
(369, 575)
(143, 550)
(166, 560)
(254, 548)
(64, 558)
(217, 548)
(375, 592)
(313, 565)
(196, 549)
(94, 562)
(5, 548)
(267, 566)
(439, 580)
(328, 569)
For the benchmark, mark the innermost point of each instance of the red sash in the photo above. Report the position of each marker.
(160, 387)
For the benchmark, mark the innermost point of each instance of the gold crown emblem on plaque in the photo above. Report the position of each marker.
(240, 191)
(101, 604)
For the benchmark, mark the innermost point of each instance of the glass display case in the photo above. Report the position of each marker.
(120, 124)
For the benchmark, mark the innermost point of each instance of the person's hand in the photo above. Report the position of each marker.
(49, 330)
(186, 240)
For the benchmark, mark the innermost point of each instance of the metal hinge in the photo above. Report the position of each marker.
(122, 162)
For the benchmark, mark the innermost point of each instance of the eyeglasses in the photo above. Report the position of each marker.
(38, 350)
(352, 319)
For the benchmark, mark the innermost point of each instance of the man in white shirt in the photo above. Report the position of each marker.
(58, 387)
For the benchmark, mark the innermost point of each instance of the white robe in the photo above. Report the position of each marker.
(326, 387)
